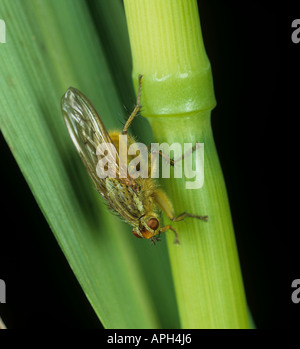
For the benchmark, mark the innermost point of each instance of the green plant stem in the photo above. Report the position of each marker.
(177, 99)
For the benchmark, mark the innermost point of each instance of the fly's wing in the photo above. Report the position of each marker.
(87, 132)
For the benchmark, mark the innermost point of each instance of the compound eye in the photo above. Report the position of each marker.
(136, 234)
(153, 223)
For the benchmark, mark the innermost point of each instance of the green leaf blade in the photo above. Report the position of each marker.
(34, 72)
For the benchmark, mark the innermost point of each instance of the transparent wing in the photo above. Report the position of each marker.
(87, 131)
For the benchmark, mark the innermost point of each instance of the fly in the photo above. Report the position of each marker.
(138, 201)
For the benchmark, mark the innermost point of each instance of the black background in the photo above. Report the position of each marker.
(256, 69)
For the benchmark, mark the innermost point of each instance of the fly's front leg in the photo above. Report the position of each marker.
(169, 227)
(136, 109)
(154, 240)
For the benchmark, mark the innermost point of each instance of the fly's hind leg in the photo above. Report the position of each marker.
(136, 109)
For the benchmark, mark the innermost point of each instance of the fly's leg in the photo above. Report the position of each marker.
(136, 108)
(166, 206)
(180, 218)
(155, 239)
(173, 162)
(169, 227)
(184, 215)
(196, 146)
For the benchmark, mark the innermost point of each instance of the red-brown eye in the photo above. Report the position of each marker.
(153, 223)
(136, 234)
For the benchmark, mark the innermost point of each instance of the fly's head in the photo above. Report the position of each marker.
(148, 227)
